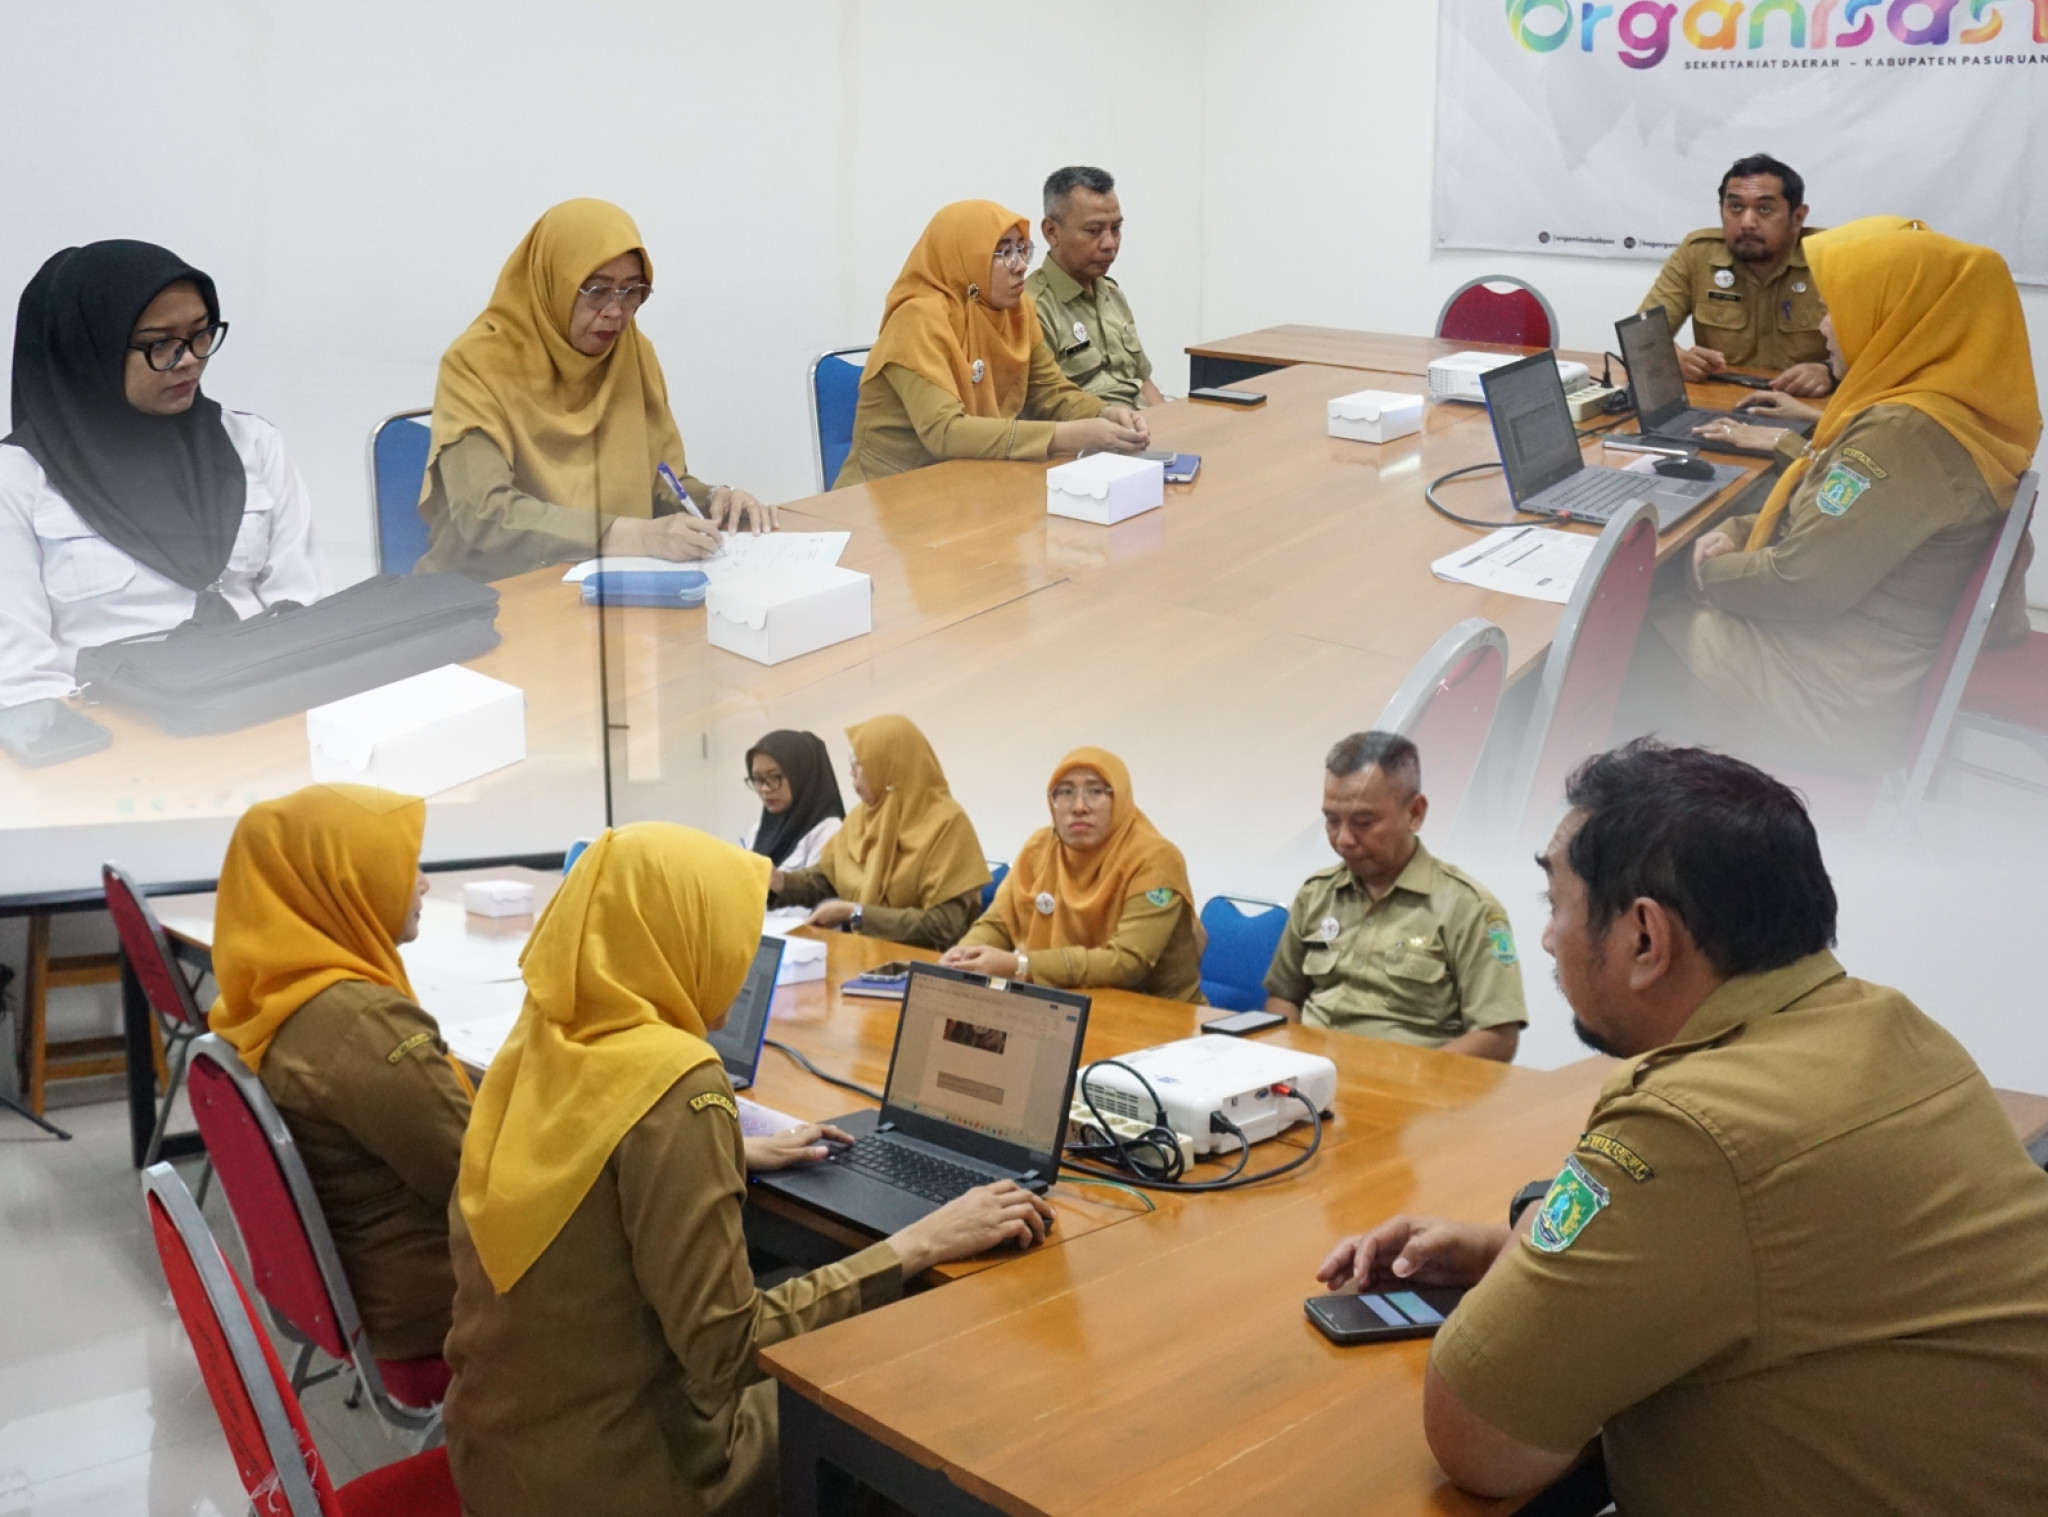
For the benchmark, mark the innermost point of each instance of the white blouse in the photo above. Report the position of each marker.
(63, 587)
(808, 848)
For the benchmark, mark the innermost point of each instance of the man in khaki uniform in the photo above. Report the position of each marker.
(1795, 1262)
(1745, 285)
(1088, 323)
(1391, 942)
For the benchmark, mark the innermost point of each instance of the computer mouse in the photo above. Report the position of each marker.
(1684, 468)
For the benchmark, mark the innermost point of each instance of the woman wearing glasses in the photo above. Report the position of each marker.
(129, 501)
(1099, 898)
(800, 802)
(961, 369)
(552, 432)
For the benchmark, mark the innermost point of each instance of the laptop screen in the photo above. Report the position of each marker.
(1532, 425)
(995, 1062)
(1656, 387)
(739, 1041)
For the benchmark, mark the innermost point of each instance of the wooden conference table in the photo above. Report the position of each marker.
(1230, 360)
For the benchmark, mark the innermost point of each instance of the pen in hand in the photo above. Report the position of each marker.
(668, 477)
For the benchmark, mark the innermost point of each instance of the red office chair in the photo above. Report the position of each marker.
(292, 1260)
(164, 985)
(1481, 310)
(1446, 706)
(275, 1455)
(1586, 668)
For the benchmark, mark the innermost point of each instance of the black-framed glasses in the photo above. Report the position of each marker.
(761, 786)
(166, 353)
(630, 296)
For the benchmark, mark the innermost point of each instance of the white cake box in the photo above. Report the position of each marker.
(1105, 488)
(1375, 415)
(498, 898)
(788, 611)
(422, 735)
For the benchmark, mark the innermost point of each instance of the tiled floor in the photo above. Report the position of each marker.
(102, 1410)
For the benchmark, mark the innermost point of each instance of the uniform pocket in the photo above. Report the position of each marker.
(1417, 964)
(80, 568)
(1724, 314)
(252, 542)
(1319, 961)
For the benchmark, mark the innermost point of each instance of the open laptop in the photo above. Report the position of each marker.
(1539, 453)
(979, 1084)
(1656, 388)
(739, 1041)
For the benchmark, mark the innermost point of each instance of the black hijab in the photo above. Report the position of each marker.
(166, 490)
(813, 791)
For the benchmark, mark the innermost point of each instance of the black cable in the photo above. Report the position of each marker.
(1162, 1140)
(1236, 1179)
(1429, 495)
(809, 1068)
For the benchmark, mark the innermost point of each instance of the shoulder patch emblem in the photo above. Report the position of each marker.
(408, 1046)
(1840, 490)
(1501, 941)
(1160, 897)
(1868, 464)
(716, 1098)
(1617, 1153)
(1574, 1199)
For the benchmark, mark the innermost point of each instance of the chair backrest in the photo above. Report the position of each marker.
(398, 470)
(1942, 690)
(274, 1454)
(291, 1255)
(988, 891)
(1445, 707)
(1243, 935)
(149, 952)
(1481, 311)
(1587, 666)
(834, 391)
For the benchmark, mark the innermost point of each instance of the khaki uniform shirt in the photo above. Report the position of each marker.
(617, 1378)
(1825, 635)
(1431, 960)
(1754, 326)
(1093, 336)
(363, 1082)
(1796, 1264)
(903, 421)
(483, 526)
(1155, 950)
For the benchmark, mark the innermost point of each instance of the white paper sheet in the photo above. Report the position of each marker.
(743, 550)
(758, 1121)
(1538, 563)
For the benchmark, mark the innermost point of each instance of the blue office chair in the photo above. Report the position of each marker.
(398, 467)
(1243, 935)
(988, 891)
(834, 391)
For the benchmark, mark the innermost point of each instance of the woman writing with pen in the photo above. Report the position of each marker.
(552, 435)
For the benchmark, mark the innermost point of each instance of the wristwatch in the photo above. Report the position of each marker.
(1023, 967)
(1525, 1198)
(853, 922)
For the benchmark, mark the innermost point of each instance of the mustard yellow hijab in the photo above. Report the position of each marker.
(581, 432)
(915, 848)
(1089, 887)
(936, 324)
(651, 932)
(1928, 322)
(314, 891)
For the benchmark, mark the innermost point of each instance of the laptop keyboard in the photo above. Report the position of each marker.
(1596, 497)
(910, 1169)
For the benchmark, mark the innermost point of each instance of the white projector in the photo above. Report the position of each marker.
(1457, 377)
(1197, 1078)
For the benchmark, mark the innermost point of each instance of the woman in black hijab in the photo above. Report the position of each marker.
(800, 804)
(130, 501)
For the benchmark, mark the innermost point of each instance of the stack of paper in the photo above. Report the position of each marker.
(1539, 563)
(766, 552)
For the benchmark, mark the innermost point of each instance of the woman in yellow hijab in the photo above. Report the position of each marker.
(1810, 626)
(316, 893)
(551, 417)
(961, 369)
(606, 1320)
(906, 864)
(1097, 898)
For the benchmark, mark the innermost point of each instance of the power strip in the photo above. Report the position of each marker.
(1130, 1129)
(1590, 403)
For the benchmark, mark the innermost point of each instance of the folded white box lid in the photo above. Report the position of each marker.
(1371, 405)
(1094, 475)
(497, 898)
(351, 728)
(747, 598)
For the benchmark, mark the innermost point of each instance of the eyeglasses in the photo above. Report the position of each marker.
(762, 785)
(1093, 795)
(166, 353)
(600, 297)
(1017, 256)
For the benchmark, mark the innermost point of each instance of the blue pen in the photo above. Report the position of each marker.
(668, 476)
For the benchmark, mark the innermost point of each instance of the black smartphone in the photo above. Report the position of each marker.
(895, 969)
(1246, 1023)
(1747, 381)
(1381, 1316)
(1228, 397)
(47, 731)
